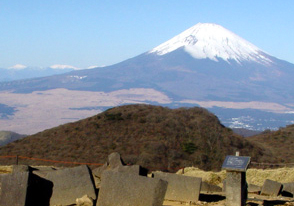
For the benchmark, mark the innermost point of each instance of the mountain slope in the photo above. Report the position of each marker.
(152, 136)
(7, 137)
(206, 65)
(280, 143)
(228, 69)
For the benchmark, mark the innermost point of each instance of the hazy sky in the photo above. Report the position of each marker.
(84, 33)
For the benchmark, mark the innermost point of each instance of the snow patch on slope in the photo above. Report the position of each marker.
(205, 40)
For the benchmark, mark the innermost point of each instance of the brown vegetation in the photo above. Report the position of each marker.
(280, 143)
(155, 137)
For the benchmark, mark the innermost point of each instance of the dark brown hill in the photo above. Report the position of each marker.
(280, 143)
(153, 136)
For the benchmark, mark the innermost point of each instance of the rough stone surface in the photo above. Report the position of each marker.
(115, 163)
(42, 171)
(114, 160)
(14, 189)
(236, 188)
(70, 184)
(21, 168)
(254, 188)
(130, 190)
(289, 188)
(271, 188)
(133, 169)
(84, 201)
(224, 186)
(24, 188)
(209, 188)
(180, 187)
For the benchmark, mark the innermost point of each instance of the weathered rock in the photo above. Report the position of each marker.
(24, 188)
(84, 201)
(289, 188)
(70, 184)
(14, 188)
(271, 188)
(133, 169)
(224, 186)
(21, 168)
(99, 170)
(42, 171)
(236, 188)
(114, 160)
(254, 188)
(180, 187)
(115, 163)
(129, 190)
(209, 188)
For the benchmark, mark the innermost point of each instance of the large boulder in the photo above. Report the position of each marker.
(288, 188)
(180, 187)
(271, 188)
(254, 189)
(70, 184)
(128, 190)
(116, 163)
(24, 188)
(14, 188)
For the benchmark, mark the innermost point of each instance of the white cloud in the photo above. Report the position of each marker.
(92, 67)
(18, 66)
(62, 66)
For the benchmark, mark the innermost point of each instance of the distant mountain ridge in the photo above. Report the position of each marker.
(12, 74)
(224, 72)
(7, 137)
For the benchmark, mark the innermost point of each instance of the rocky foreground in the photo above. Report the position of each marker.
(79, 186)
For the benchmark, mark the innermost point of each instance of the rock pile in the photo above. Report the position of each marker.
(110, 185)
(116, 184)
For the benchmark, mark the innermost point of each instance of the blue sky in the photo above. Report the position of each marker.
(84, 33)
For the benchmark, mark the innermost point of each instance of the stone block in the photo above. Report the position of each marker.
(254, 188)
(271, 188)
(236, 188)
(180, 187)
(289, 188)
(24, 188)
(42, 171)
(84, 201)
(114, 160)
(21, 168)
(14, 189)
(133, 169)
(115, 163)
(129, 190)
(70, 184)
(209, 188)
(224, 186)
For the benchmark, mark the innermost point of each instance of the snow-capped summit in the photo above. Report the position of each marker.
(207, 40)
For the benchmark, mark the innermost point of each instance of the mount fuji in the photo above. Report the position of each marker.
(206, 65)
(211, 41)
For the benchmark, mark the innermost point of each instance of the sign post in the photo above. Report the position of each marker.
(236, 186)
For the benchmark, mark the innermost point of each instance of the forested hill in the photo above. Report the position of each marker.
(155, 137)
